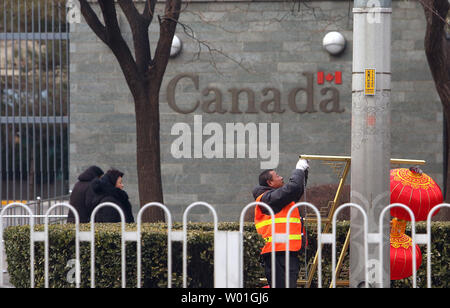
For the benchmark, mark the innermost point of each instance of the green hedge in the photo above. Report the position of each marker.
(108, 257)
(154, 256)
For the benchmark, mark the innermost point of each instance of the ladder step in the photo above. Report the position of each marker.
(342, 283)
(314, 220)
(339, 283)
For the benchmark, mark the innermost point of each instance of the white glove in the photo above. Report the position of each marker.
(302, 164)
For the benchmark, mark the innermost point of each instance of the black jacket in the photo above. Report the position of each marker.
(106, 192)
(278, 198)
(82, 195)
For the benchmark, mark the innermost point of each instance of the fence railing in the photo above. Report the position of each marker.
(39, 207)
(228, 245)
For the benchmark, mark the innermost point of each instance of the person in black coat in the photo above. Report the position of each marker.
(82, 194)
(110, 189)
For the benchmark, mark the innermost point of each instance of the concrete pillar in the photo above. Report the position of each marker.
(371, 148)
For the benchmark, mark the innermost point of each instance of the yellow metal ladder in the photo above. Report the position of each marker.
(346, 160)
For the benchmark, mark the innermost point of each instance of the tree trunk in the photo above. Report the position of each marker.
(149, 154)
(144, 77)
(437, 49)
(447, 144)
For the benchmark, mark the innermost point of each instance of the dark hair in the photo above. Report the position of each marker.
(97, 170)
(264, 177)
(112, 175)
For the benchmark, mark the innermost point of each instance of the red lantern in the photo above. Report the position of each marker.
(416, 190)
(402, 252)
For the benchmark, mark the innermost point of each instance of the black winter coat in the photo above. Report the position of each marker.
(278, 198)
(81, 196)
(106, 192)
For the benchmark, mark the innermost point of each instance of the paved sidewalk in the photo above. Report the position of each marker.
(5, 274)
(6, 281)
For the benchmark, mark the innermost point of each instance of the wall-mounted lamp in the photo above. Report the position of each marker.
(334, 42)
(177, 45)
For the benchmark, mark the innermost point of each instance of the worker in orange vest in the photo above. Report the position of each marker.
(280, 197)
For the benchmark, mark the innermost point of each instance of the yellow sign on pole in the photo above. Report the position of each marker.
(369, 87)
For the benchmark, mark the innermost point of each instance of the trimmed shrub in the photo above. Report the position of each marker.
(108, 256)
(200, 256)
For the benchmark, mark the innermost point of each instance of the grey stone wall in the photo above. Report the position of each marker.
(256, 45)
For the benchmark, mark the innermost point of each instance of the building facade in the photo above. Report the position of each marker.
(252, 89)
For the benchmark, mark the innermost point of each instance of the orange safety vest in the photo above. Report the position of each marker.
(263, 224)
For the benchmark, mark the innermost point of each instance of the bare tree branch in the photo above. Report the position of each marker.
(139, 28)
(168, 25)
(110, 18)
(92, 20)
(130, 11)
(115, 41)
(191, 34)
(149, 10)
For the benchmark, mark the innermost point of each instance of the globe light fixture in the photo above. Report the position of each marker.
(176, 47)
(334, 42)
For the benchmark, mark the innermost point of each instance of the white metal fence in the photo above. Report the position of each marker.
(18, 215)
(228, 245)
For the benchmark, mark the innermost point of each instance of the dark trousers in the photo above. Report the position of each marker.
(280, 269)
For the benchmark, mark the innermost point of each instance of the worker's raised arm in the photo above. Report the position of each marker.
(292, 191)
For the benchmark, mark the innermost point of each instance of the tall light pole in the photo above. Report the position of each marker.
(371, 146)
